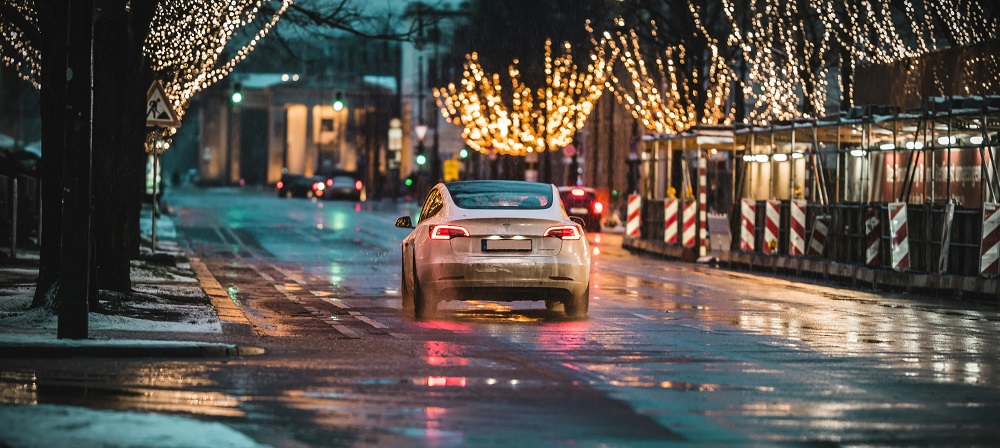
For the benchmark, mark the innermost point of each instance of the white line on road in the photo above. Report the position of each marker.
(337, 303)
(357, 315)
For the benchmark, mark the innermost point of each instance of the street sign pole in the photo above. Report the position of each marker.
(156, 166)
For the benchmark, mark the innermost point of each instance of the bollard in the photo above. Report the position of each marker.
(13, 221)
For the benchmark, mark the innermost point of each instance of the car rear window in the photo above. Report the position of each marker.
(499, 194)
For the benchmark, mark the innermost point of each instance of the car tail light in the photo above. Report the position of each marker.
(329, 182)
(563, 232)
(280, 185)
(446, 232)
(358, 185)
(577, 192)
(598, 207)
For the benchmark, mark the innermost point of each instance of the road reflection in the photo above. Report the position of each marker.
(161, 389)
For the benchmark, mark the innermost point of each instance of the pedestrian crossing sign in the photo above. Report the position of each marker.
(158, 110)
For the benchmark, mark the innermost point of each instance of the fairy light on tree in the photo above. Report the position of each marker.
(664, 96)
(525, 120)
(186, 47)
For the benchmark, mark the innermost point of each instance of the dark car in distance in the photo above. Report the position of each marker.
(342, 185)
(298, 185)
(582, 202)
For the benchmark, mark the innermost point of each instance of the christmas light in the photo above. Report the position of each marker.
(526, 120)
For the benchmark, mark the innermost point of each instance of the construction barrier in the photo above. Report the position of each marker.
(871, 237)
(670, 220)
(900, 241)
(949, 217)
(633, 211)
(748, 223)
(689, 228)
(797, 228)
(817, 241)
(702, 204)
(772, 222)
(989, 262)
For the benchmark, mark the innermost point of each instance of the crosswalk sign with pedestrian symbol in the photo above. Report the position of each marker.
(158, 110)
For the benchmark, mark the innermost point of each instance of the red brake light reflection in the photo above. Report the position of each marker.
(280, 185)
(564, 232)
(446, 232)
(357, 185)
(598, 207)
(577, 192)
(329, 182)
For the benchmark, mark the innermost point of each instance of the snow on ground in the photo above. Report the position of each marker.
(53, 425)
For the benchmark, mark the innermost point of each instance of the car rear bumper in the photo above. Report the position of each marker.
(503, 278)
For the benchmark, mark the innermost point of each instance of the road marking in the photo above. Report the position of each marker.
(337, 303)
(357, 315)
(344, 330)
(321, 293)
(643, 316)
(295, 278)
(266, 276)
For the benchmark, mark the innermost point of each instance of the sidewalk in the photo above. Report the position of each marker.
(177, 309)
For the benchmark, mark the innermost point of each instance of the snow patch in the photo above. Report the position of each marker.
(54, 425)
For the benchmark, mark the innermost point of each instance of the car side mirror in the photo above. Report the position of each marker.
(577, 220)
(404, 222)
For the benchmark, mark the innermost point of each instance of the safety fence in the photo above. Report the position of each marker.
(20, 213)
(899, 236)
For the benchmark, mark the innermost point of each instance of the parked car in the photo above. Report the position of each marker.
(582, 202)
(298, 185)
(343, 185)
(494, 240)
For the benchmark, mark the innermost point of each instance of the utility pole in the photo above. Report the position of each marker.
(74, 275)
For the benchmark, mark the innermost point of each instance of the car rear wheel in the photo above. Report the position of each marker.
(405, 291)
(423, 307)
(553, 306)
(578, 305)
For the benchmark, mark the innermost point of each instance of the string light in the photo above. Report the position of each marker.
(526, 120)
(185, 47)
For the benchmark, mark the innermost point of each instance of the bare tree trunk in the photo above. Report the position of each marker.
(52, 27)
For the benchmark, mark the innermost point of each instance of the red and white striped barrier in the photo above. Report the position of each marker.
(817, 241)
(900, 241)
(748, 222)
(772, 222)
(670, 220)
(989, 262)
(702, 204)
(949, 218)
(797, 228)
(871, 237)
(633, 211)
(689, 228)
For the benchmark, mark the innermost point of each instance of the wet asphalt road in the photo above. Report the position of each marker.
(672, 353)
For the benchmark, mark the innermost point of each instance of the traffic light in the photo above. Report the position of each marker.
(338, 102)
(237, 93)
(421, 159)
(408, 182)
(464, 153)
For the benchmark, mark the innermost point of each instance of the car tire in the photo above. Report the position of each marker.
(423, 307)
(578, 305)
(405, 291)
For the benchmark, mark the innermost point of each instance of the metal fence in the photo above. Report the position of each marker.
(20, 213)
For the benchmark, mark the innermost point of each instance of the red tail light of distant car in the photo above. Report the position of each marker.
(358, 185)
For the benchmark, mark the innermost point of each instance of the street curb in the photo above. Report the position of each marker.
(118, 351)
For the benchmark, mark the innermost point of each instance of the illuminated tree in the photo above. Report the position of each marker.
(668, 96)
(188, 45)
(526, 120)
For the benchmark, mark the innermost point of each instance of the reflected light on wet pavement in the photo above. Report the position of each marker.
(159, 390)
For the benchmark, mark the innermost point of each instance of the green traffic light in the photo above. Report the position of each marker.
(421, 159)
(338, 105)
(237, 97)
(464, 153)
(408, 182)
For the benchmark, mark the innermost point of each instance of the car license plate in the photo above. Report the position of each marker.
(578, 210)
(506, 245)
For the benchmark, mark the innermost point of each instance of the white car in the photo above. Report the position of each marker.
(497, 241)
